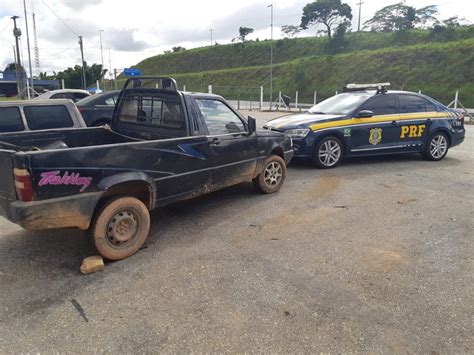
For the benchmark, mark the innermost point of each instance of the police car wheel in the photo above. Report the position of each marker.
(328, 153)
(272, 176)
(437, 147)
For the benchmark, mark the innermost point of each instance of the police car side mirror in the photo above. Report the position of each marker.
(365, 113)
(252, 124)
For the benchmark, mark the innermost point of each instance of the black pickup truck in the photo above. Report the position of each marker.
(163, 146)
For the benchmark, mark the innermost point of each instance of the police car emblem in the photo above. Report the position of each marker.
(375, 136)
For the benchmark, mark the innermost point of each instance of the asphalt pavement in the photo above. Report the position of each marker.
(374, 256)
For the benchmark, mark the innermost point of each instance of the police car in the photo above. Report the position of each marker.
(366, 119)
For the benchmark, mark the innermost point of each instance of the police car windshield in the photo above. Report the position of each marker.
(341, 104)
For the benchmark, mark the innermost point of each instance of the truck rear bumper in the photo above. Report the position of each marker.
(64, 212)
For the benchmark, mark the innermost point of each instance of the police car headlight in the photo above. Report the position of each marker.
(297, 133)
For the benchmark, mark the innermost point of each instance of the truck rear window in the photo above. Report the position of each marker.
(10, 120)
(47, 117)
(151, 110)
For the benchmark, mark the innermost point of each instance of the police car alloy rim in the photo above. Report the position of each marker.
(438, 146)
(273, 174)
(329, 153)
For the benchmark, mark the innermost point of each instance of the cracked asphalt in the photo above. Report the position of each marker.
(374, 256)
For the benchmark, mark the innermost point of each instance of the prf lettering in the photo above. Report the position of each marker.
(412, 131)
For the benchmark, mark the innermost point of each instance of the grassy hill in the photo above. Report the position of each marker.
(435, 63)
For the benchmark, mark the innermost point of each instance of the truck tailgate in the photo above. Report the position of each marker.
(7, 184)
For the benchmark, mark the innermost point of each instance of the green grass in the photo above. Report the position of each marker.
(258, 53)
(437, 70)
(436, 64)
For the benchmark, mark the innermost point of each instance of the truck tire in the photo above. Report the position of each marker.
(437, 147)
(120, 228)
(272, 177)
(328, 153)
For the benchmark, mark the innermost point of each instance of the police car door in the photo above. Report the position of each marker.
(380, 133)
(415, 113)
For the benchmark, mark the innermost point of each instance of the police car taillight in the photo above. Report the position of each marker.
(23, 185)
(462, 118)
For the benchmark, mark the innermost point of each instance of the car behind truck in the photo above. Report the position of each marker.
(163, 146)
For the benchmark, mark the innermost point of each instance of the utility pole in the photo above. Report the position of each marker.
(17, 34)
(110, 66)
(271, 57)
(102, 57)
(84, 83)
(101, 49)
(29, 51)
(212, 41)
(360, 11)
(16, 71)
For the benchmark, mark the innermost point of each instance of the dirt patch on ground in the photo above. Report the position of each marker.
(379, 260)
(325, 185)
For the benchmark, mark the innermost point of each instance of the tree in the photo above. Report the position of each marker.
(329, 13)
(243, 33)
(45, 76)
(400, 17)
(12, 67)
(454, 21)
(178, 49)
(73, 76)
(290, 30)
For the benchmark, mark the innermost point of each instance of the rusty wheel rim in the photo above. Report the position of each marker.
(122, 229)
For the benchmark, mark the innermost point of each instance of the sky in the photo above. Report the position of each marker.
(135, 30)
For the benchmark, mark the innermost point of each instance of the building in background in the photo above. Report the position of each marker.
(9, 88)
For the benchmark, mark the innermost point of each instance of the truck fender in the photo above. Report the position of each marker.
(108, 185)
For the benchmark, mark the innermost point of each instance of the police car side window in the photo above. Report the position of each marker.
(412, 103)
(381, 105)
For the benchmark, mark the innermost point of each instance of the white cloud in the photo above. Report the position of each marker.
(138, 29)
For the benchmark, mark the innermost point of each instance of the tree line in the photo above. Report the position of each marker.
(333, 18)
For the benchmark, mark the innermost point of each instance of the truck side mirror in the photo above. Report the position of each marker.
(252, 124)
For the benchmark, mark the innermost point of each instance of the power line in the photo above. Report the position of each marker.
(60, 19)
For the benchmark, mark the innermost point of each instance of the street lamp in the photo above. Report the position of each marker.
(271, 56)
(101, 56)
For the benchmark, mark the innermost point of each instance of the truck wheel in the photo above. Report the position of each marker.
(120, 228)
(328, 153)
(272, 176)
(437, 147)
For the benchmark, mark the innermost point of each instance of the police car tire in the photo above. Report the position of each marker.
(259, 182)
(427, 152)
(317, 162)
(120, 209)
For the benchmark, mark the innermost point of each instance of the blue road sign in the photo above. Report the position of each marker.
(132, 72)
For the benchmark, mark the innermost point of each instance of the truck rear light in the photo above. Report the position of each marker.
(23, 185)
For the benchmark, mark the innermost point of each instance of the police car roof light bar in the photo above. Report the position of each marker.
(380, 87)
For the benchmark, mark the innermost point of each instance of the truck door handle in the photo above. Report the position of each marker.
(215, 141)
(394, 123)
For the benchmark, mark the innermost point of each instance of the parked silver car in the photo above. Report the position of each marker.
(38, 115)
(71, 94)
